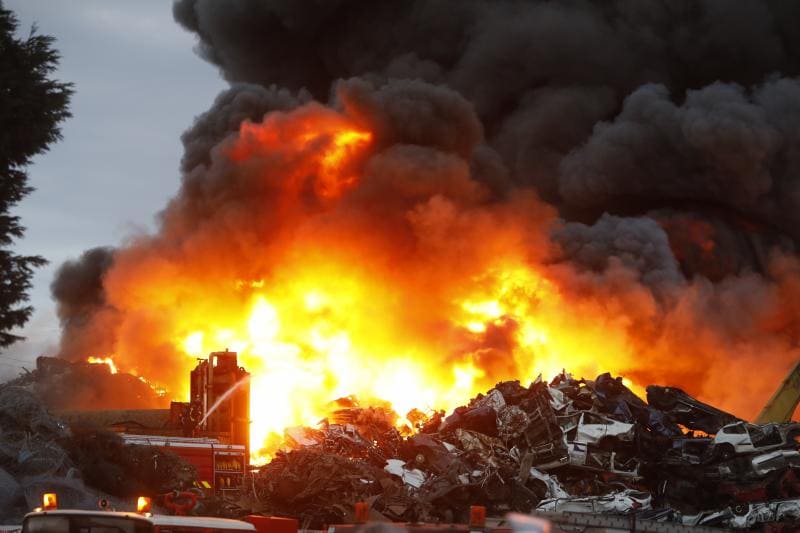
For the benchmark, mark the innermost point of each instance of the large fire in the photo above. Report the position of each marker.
(360, 266)
(337, 317)
(330, 334)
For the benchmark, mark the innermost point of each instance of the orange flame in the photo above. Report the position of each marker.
(103, 361)
(327, 138)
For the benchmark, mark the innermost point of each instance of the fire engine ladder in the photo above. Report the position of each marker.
(572, 521)
(783, 403)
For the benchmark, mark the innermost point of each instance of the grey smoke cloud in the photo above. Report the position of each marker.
(232, 107)
(639, 244)
(87, 321)
(722, 145)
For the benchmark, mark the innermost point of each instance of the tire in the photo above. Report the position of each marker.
(741, 509)
(724, 451)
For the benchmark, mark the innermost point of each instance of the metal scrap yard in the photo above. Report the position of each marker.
(577, 452)
(425, 266)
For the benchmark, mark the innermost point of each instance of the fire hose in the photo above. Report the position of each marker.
(180, 503)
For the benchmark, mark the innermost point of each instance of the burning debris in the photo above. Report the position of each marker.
(88, 386)
(586, 446)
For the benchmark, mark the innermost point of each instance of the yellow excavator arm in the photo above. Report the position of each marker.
(783, 403)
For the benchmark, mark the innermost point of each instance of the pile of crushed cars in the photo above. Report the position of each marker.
(570, 445)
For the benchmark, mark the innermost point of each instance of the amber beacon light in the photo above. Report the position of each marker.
(143, 504)
(49, 501)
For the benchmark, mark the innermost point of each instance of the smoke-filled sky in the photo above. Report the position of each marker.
(138, 85)
(583, 177)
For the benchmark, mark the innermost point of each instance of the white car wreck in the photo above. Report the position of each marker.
(592, 428)
(742, 437)
(765, 512)
(597, 429)
(595, 458)
(600, 443)
(623, 502)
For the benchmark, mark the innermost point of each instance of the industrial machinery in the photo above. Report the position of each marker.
(211, 430)
(784, 402)
(215, 424)
(219, 400)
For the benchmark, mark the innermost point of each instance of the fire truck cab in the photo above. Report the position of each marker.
(50, 519)
(74, 521)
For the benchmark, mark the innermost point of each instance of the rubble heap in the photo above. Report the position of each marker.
(39, 453)
(570, 445)
(80, 386)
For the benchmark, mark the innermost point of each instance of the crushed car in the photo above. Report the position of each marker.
(741, 437)
(622, 502)
(682, 409)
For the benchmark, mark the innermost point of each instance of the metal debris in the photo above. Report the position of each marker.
(575, 445)
(39, 453)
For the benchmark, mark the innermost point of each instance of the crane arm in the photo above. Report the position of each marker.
(783, 403)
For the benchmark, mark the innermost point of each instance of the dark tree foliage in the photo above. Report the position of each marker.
(31, 107)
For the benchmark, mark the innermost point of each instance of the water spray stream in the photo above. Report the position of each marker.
(222, 398)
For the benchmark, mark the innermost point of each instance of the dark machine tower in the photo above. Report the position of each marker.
(222, 389)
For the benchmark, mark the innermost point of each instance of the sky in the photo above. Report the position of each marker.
(138, 85)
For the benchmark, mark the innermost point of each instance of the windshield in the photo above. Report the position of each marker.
(85, 524)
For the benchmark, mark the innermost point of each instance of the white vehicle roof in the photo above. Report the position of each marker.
(179, 442)
(157, 520)
(201, 521)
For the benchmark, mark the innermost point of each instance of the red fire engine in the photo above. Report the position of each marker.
(220, 467)
(210, 430)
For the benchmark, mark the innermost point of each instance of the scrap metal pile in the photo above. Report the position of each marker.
(63, 385)
(39, 453)
(571, 445)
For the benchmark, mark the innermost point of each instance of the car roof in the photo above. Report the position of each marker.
(78, 512)
(202, 521)
(157, 520)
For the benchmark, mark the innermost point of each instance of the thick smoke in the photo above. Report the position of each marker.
(87, 323)
(231, 108)
(517, 62)
(638, 244)
(641, 155)
(546, 77)
(720, 146)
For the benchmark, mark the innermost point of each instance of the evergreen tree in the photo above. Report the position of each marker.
(31, 107)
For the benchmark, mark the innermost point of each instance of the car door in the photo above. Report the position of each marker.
(737, 436)
(591, 428)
